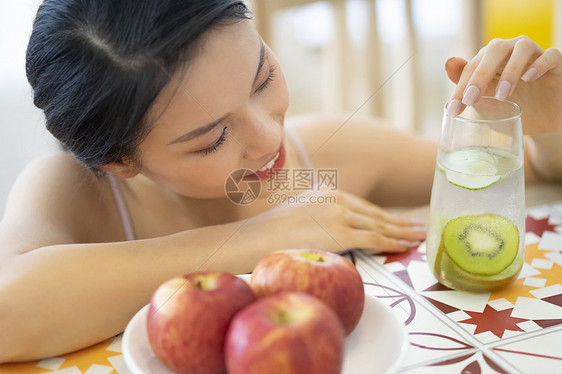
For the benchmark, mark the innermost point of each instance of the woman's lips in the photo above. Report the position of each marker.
(270, 164)
(271, 168)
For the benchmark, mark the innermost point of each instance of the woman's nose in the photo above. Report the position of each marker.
(261, 136)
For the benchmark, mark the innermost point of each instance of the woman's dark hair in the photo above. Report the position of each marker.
(96, 66)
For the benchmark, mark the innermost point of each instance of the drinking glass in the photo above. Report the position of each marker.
(476, 230)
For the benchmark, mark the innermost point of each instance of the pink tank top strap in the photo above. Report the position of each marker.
(121, 207)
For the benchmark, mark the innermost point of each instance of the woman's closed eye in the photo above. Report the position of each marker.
(220, 141)
(267, 81)
(216, 145)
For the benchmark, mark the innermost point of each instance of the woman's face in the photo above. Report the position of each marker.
(224, 112)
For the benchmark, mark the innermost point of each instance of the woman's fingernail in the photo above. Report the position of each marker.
(503, 90)
(529, 74)
(470, 95)
(453, 108)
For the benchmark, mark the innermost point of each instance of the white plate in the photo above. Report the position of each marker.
(376, 346)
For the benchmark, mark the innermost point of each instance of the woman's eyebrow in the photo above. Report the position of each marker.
(199, 131)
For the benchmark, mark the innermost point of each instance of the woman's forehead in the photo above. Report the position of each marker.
(224, 67)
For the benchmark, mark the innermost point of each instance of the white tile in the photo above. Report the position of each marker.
(383, 288)
(464, 366)
(378, 259)
(424, 322)
(115, 345)
(70, 370)
(541, 263)
(528, 271)
(99, 369)
(529, 326)
(541, 354)
(459, 315)
(554, 256)
(51, 363)
(534, 282)
(555, 220)
(421, 276)
(531, 238)
(542, 293)
(551, 241)
(470, 328)
(429, 331)
(425, 370)
(487, 336)
(500, 304)
(394, 267)
(557, 207)
(367, 273)
(511, 333)
(118, 362)
(530, 308)
(422, 247)
(463, 300)
(538, 212)
(437, 342)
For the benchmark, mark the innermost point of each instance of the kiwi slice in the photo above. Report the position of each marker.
(481, 244)
(453, 276)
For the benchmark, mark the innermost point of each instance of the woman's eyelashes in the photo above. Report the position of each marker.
(268, 81)
(216, 145)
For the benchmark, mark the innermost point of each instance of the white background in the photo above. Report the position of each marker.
(22, 131)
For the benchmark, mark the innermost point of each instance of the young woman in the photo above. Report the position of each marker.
(157, 103)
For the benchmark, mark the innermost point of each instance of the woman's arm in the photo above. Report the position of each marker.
(59, 294)
(545, 155)
(63, 297)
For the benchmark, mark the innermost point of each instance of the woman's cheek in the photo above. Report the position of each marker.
(212, 178)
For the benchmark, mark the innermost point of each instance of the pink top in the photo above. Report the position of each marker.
(121, 207)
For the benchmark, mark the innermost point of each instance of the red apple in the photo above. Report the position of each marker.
(327, 276)
(289, 332)
(188, 318)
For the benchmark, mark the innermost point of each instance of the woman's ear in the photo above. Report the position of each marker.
(123, 169)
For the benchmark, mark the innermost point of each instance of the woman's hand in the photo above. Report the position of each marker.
(517, 69)
(337, 221)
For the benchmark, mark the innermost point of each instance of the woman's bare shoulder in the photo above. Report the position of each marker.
(325, 133)
(51, 178)
(344, 140)
(60, 201)
(371, 156)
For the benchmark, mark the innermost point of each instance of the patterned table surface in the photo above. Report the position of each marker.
(516, 330)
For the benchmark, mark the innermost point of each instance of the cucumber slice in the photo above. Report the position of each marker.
(471, 182)
(471, 168)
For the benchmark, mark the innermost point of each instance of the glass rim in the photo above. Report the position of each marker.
(459, 117)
